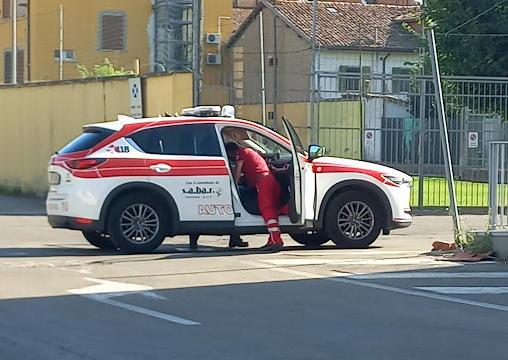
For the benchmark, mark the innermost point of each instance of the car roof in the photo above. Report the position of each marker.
(135, 124)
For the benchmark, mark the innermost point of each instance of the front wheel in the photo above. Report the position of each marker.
(313, 239)
(99, 240)
(353, 220)
(137, 223)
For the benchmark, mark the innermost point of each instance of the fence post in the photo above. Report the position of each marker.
(421, 150)
(493, 161)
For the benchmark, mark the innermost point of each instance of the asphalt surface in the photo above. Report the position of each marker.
(63, 299)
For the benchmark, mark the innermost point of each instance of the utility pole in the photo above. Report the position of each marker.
(314, 131)
(14, 42)
(61, 41)
(443, 130)
(262, 52)
(196, 53)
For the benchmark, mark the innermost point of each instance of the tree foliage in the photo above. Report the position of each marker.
(107, 68)
(478, 48)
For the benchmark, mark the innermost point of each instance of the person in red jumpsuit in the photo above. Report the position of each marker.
(257, 174)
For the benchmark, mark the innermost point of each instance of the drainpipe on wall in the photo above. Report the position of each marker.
(384, 84)
(28, 43)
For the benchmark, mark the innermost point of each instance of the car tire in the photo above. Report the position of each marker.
(137, 223)
(312, 240)
(353, 220)
(99, 240)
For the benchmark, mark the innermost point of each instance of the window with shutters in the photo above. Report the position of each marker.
(6, 9)
(8, 78)
(21, 8)
(112, 30)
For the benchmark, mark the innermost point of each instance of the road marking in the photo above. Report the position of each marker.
(109, 288)
(359, 261)
(431, 275)
(466, 290)
(106, 290)
(343, 280)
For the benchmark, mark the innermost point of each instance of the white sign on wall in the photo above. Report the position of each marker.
(369, 137)
(136, 98)
(473, 140)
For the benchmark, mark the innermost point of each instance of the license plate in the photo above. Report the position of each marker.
(54, 178)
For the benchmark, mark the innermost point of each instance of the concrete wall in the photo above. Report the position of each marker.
(38, 119)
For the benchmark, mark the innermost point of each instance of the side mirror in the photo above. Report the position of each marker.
(316, 151)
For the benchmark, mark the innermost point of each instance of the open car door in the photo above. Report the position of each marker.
(297, 186)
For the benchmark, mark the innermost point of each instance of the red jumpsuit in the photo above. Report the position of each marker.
(258, 175)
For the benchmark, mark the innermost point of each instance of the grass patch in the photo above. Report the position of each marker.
(469, 193)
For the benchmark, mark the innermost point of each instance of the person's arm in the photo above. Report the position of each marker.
(238, 171)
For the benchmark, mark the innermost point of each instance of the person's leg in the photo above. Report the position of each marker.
(267, 191)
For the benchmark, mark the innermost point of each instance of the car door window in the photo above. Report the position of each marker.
(192, 139)
(260, 143)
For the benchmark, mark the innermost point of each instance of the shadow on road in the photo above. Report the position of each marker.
(169, 249)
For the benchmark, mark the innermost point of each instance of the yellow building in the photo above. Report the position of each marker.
(92, 31)
(122, 31)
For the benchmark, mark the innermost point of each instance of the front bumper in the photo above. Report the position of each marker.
(399, 224)
(67, 222)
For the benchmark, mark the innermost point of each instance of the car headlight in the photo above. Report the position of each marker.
(397, 180)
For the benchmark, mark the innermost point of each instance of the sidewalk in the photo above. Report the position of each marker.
(21, 205)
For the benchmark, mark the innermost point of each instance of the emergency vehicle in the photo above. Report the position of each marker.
(131, 183)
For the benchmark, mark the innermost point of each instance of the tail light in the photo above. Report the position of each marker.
(83, 164)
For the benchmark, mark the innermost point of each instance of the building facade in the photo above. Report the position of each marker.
(92, 31)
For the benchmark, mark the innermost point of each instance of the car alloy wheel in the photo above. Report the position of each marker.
(356, 220)
(139, 223)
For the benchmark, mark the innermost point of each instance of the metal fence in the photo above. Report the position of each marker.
(397, 125)
(498, 185)
(392, 119)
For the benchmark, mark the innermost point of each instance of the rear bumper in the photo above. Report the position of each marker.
(66, 222)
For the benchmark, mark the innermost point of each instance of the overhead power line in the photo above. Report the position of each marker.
(476, 17)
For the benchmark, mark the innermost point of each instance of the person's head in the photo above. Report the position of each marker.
(232, 149)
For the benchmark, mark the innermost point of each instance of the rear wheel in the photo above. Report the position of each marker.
(312, 239)
(137, 223)
(353, 220)
(99, 240)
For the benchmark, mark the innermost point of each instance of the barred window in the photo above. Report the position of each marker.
(401, 83)
(112, 31)
(349, 81)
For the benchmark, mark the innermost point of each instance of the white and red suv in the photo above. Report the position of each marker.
(129, 184)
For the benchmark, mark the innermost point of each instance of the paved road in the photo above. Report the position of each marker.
(62, 299)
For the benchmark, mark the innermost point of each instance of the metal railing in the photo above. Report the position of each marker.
(498, 185)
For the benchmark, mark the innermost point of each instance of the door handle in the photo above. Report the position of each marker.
(161, 168)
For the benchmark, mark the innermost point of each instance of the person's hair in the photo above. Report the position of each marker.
(232, 147)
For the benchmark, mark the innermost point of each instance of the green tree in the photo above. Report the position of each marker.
(469, 44)
(107, 68)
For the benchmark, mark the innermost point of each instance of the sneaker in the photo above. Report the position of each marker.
(272, 247)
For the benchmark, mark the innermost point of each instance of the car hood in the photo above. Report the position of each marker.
(333, 162)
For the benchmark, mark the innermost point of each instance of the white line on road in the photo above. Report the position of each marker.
(359, 261)
(432, 275)
(107, 290)
(142, 310)
(342, 280)
(466, 290)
